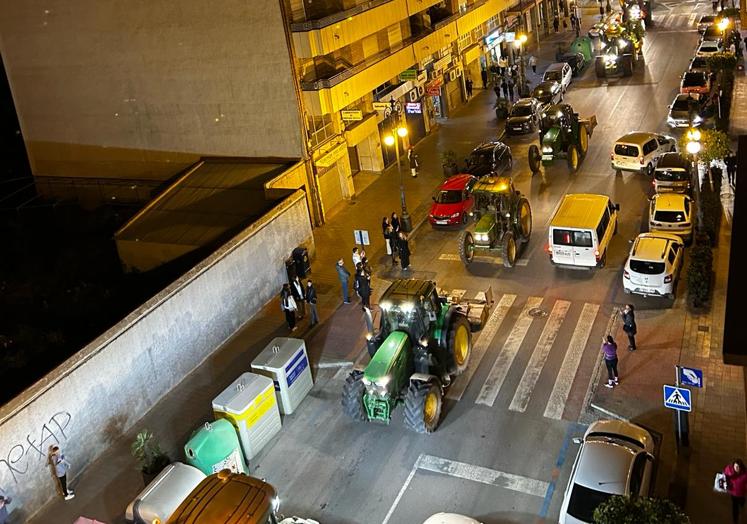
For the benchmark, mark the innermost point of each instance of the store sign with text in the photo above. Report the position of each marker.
(414, 108)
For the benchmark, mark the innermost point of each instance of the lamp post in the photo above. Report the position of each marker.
(693, 147)
(519, 42)
(393, 113)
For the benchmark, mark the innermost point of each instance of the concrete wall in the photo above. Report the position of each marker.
(143, 88)
(94, 396)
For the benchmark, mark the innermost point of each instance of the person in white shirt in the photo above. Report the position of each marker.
(357, 256)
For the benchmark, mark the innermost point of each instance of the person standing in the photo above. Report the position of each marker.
(4, 502)
(468, 85)
(412, 157)
(392, 239)
(288, 306)
(555, 23)
(395, 223)
(609, 351)
(736, 486)
(298, 296)
(344, 276)
(497, 90)
(484, 78)
(363, 287)
(504, 88)
(731, 168)
(533, 63)
(511, 84)
(385, 226)
(502, 65)
(61, 467)
(404, 251)
(311, 299)
(356, 257)
(629, 326)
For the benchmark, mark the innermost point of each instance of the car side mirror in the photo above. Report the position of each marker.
(577, 440)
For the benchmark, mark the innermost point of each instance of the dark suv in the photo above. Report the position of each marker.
(489, 157)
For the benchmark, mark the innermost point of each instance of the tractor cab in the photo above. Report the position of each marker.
(411, 308)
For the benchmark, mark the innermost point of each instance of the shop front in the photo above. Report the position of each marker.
(364, 145)
(454, 89)
(437, 103)
(334, 178)
(471, 58)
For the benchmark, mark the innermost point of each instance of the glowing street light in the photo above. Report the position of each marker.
(693, 147)
(521, 39)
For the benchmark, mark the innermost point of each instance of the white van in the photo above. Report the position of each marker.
(581, 230)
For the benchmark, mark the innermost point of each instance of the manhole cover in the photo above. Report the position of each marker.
(537, 312)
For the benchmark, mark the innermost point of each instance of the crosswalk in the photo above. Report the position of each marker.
(531, 341)
(676, 21)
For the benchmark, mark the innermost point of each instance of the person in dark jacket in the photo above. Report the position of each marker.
(629, 326)
(344, 275)
(363, 286)
(412, 157)
(736, 486)
(299, 295)
(504, 88)
(609, 351)
(311, 299)
(404, 250)
(395, 223)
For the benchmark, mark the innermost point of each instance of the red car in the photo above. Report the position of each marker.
(453, 202)
(695, 82)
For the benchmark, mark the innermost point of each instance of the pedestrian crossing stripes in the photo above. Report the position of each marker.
(671, 21)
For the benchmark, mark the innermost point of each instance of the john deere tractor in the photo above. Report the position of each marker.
(504, 222)
(620, 49)
(422, 342)
(562, 135)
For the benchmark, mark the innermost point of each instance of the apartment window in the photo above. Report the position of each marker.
(321, 129)
(464, 42)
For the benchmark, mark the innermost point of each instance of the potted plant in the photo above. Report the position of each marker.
(449, 163)
(501, 108)
(148, 453)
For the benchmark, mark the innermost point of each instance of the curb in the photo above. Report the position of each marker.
(607, 412)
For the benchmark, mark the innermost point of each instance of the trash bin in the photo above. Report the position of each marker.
(301, 258)
(290, 268)
(214, 447)
(250, 405)
(285, 361)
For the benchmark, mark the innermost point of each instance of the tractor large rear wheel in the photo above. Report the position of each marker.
(524, 220)
(466, 247)
(460, 344)
(573, 158)
(508, 243)
(423, 402)
(583, 140)
(352, 396)
(535, 159)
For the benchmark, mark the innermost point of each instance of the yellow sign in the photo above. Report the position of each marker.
(352, 115)
(332, 156)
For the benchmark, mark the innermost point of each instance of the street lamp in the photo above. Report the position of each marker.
(393, 112)
(519, 42)
(693, 147)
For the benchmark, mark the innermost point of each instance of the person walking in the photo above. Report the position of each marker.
(404, 251)
(533, 63)
(736, 486)
(468, 85)
(497, 90)
(363, 287)
(504, 88)
(412, 157)
(731, 168)
(502, 65)
(565, 24)
(344, 276)
(288, 306)
(511, 83)
(629, 326)
(609, 351)
(61, 467)
(311, 298)
(4, 502)
(298, 296)
(395, 223)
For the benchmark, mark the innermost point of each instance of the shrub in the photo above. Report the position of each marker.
(722, 61)
(710, 202)
(699, 272)
(626, 510)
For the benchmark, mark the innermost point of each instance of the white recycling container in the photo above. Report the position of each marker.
(285, 361)
(250, 405)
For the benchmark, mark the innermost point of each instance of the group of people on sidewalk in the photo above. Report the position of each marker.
(396, 241)
(293, 299)
(609, 346)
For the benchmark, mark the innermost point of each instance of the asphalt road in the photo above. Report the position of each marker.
(503, 452)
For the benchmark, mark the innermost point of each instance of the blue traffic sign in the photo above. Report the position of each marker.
(691, 377)
(677, 398)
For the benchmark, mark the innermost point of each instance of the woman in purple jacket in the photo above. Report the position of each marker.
(736, 485)
(609, 350)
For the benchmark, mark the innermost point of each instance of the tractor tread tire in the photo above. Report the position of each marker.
(415, 406)
(352, 396)
(508, 237)
(456, 321)
(462, 240)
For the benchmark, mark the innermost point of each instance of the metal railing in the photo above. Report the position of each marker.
(333, 18)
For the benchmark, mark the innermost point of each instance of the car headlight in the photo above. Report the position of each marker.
(546, 149)
(454, 215)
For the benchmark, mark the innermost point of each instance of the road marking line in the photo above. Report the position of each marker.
(599, 365)
(539, 356)
(571, 361)
(402, 490)
(493, 383)
(691, 20)
(491, 327)
(483, 475)
(574, 428)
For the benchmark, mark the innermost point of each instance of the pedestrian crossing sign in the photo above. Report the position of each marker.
(677, 398)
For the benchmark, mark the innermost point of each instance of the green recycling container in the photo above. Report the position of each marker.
(582, 45)
(215, 446)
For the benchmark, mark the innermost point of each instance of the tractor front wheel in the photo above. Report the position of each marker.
(524, 220)
(460, 344)
(509, 249)
(583, 140)
(466, 247)
(352, 396)
(573, 158)
(535, 159)
(423, 402)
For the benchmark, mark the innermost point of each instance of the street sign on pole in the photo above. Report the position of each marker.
(677, 398)
(691, 377)
(361, 237)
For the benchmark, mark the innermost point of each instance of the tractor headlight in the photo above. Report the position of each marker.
(366, 382)
(546, 149)
(698, 119)
(407, 307)
(481, 237)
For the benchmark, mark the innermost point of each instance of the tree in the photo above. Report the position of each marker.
(626, 510)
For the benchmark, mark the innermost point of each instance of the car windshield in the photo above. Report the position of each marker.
(584, 501)
(644, 267)
(521, 110)
(671, 175)
(477, 158)
(669, 216)
(712, 32)
(553, 75)
(569, 237)
(707, 19)
(699, 63)
(693, 80)
(681, 104)
(626, 150)
(449, 197)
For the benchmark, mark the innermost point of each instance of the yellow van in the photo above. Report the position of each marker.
(581, 230)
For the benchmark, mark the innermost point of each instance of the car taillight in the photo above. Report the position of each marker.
(626, 274)
(548, 249)
(596, 254)
(667, 279)
(612, 156)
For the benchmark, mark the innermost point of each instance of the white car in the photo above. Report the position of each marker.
(450, 518)
(639, 151)
(708, 48)
(671, 213)
(654, 265)
(561, 72)
(616, 458)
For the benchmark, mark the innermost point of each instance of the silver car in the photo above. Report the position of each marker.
(616, 458)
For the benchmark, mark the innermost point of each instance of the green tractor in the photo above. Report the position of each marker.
(422, 342)
(620, 49)
(562, 135)
(504, 222)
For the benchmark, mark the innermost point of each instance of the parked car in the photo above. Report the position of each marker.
(705, 22)
(524, 116)
(450, 518)
(639, 151)
(548, 92)
(489, 157)
(671, 213)
(709, 48)
(654, 264)
(695, 83)
(560, 72)
(699, 64)
(684, 107)
(616, 458)
(712, 32)
(672, 174)
(577, 61)
(453, 201)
